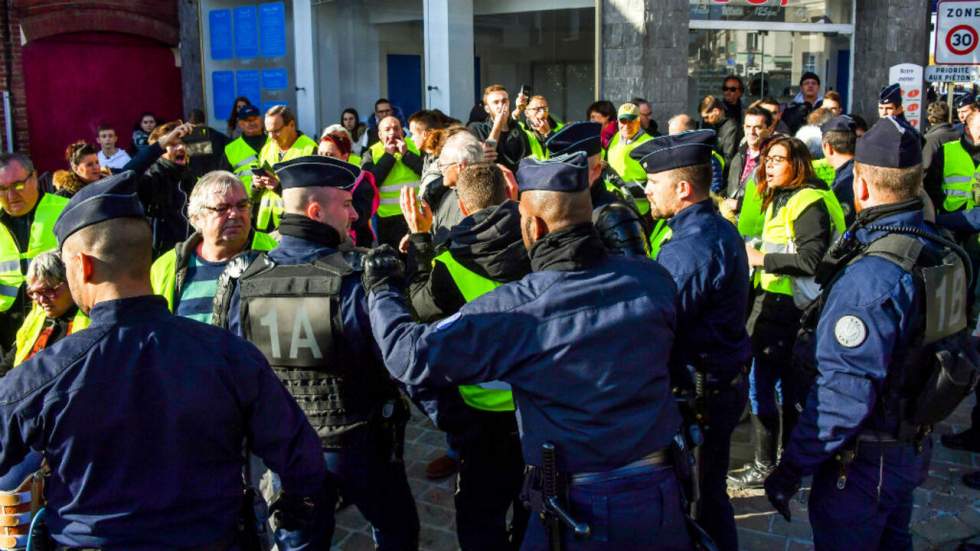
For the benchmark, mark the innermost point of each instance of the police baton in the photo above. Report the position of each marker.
(554, 515)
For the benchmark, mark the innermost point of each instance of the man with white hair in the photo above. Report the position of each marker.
(187, 275)
(461, 150)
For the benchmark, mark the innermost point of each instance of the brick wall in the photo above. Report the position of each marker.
(35, 19)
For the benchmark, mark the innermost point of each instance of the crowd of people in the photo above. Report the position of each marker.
(212, 340)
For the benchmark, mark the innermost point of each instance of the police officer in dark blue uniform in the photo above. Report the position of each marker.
(706, 258)
(890, 105)
(143, 416)
(870, 340)
(838, 141)
(584, 342)
(304, 307)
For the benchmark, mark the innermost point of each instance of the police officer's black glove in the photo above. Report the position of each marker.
(383, 270)
(781, 486)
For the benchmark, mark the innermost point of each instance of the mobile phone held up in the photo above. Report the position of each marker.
(526, 90)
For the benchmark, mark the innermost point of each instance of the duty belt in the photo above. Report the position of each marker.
(656, 459)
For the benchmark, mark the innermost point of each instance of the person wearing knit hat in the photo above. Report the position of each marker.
(805, 102)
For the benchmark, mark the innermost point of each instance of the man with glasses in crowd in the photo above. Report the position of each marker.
(539, 125)
(382, 109)
(731, 93)
(26, 230)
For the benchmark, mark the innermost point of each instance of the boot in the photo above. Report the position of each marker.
(755, 473)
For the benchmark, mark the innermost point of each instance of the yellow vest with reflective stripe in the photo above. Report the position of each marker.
(31, 329)
(42, 239)
(242, 159)
(661, 234)
(163, 274)
(959, 177)
(538, 150)
(778, 236)
(270, 204)
(618, 157)
(824, 170)
(399, 177)
(493, 395)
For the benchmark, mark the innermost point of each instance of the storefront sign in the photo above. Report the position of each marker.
(909, 78)
(952, 73)
(957, 38)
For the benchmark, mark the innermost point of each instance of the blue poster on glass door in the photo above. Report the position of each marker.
(247, 84)
(272, 29)
(223, 92)
(246, 33)
(219, 31)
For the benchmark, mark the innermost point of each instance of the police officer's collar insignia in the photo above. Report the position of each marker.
(850, 331)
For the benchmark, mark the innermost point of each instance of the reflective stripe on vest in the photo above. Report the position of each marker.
(270, 204)
(959, 177)
(491, 395)
(778, 237)
(242, 159)
(400, 176)
(42, 239)
(661, 234)
(31, 329)
(824, 170)
(163, 273)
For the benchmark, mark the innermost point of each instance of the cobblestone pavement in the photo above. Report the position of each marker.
(946, 513)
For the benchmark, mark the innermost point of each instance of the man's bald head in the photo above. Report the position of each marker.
(680, 123)
(543, 212)
(390, 129)
(117, 253)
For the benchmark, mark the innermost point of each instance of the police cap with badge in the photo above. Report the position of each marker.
(665, 153)
(567, 173)
(966, 100)
(106, 199)
(576, 136)
(890, 94)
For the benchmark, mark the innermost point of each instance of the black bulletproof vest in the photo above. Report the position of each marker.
(292, 314)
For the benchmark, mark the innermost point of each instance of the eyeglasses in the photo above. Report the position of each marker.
(730, 88)
(383, 112)
(16, 186)
(776, 159)
(241, 206)
(48, 293)
(540, 109)
(443, 167)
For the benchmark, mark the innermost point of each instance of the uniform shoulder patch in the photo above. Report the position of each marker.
(850, 331)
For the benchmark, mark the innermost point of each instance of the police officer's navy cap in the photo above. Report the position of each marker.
(966, 100)
(566, 173)
(316, 171)
(576, 136)
(248, 111)
(106, 199)
(890, 94)
(840, 123)
(675, 151)
(889, 144)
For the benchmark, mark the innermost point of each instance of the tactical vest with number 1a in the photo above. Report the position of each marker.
(292, 314)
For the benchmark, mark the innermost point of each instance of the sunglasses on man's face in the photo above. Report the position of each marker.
(729, 88)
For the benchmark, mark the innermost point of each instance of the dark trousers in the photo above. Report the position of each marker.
(641, 510)
(366, 476)
(715, 513)
(772, 348)
(874, 509)
(491, 471)
(391, 229)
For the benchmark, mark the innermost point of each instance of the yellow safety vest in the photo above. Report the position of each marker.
(824, 170)
(538, 150)
(270, 204)
(163, 274)
(618, 157)
(400, 176)
(242, 159)
(959, 177)
(354, 159)
(31, 329)
(661, 234)
(778, 236)
(751, 219)
(42, 239)
(493, 395)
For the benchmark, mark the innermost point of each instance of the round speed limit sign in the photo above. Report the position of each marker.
(962, 39)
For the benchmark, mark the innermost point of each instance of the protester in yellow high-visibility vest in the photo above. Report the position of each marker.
(285, 143)
(53, 315)
(26, 230)
(802, 220)
(242, 154)
(484, 251)
(539, 126)
(395, 163)
(622, 143)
